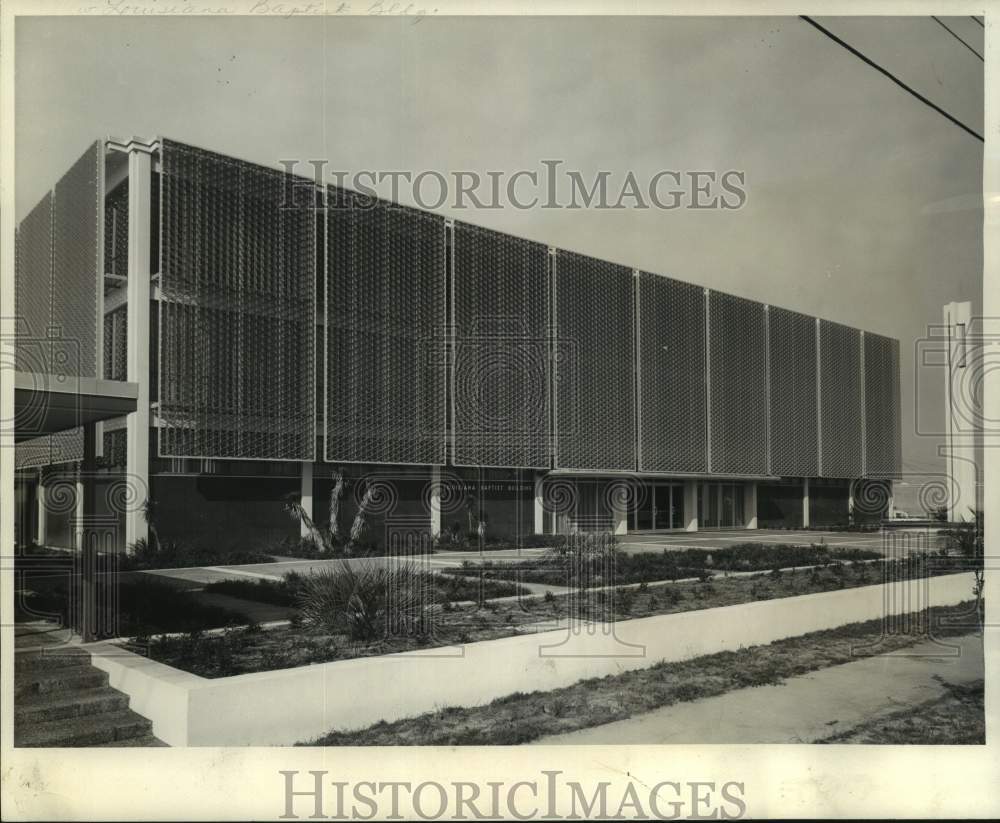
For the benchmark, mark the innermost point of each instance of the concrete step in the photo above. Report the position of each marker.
(58, 678)
(39, 708)
(87, 730)
(53, 658)
(144, 740)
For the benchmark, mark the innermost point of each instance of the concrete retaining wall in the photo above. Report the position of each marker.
(291, 705)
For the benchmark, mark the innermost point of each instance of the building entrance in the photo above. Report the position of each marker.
(661, 507)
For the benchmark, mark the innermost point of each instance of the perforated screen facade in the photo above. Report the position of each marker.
(500, 381)
(595, 368)
(794, 427)
(33, 288)
(238, 315)
(386, 330)
(840, 401)
(57, 274)
(882, 412)
(672, 400)
(76, 247)
(737, 385)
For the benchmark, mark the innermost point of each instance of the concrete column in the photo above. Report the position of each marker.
(435, 502)
(805, 503)
(78, 515)
(619, 516)
(87, 533)
(306, 497)
(137, 423)
(539, 503)
(750, 505)
(691, 505)
(40, 500)
(962, 414)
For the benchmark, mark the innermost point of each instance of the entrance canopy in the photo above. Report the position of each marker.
(51, 403)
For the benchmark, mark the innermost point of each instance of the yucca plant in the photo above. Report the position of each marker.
(335, 494)
(367, 601)
(298, 513)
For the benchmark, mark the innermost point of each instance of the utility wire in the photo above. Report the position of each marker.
(891, 76)
(980, 22)
(959, 39)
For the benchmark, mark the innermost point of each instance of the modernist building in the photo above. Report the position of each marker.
(278, 331)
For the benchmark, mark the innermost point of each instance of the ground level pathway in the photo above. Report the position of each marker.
(802, 709)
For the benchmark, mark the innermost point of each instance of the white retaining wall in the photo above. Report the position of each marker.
(292, 705)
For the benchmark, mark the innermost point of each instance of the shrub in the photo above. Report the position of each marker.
(366, 601)
(625, 599)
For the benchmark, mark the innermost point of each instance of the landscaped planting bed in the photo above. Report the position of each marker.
(285, 592)
(175, 555)
(621, 568)
(240, 651)
(520, 718)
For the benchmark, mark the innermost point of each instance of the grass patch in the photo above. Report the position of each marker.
(955, 718)
(145, 606)
(520, 718)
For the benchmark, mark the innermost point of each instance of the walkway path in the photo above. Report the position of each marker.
(803, 709)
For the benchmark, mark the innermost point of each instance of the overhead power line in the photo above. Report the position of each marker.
(980, 22)
(891, 76)
(959, 39)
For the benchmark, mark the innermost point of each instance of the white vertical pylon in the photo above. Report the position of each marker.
(306, 498)
(137, 345)
(962, 412)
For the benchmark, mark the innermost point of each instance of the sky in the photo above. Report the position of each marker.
(863, 205)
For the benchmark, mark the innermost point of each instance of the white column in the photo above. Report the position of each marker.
(539, 503)
(137, 346)
(619, 516)
(962, 414)
(78, 514)
(805, 503)
(306, 497)
(691, 505)
(87, 534)
(40, 535)
(750, 505)
(435, 502)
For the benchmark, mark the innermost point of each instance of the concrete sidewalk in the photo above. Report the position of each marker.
(803, 709)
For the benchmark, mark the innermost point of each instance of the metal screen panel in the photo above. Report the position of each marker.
(882, 413)
(737, 385)
(672, 398)
(840, 400)
(500, 379)
(115, 337)
(386, 372)
(76, 249)
(116, 230)
(794, 424)
(32, 295)
(49, 450)
(238, 316)
(594, 372)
